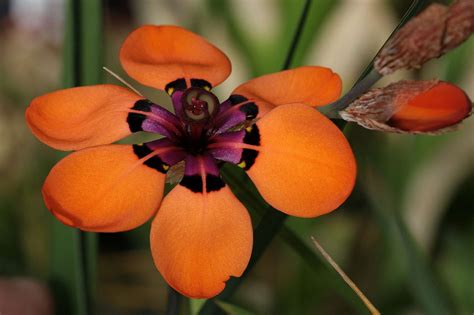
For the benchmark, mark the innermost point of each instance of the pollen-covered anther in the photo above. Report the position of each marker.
(199, 104)
(428, 107)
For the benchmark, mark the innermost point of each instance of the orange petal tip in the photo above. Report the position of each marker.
(200, 240)
(159, 55)
(305, 166)
(310, 85)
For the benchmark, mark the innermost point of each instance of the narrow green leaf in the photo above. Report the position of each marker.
(316, 16)
(92, 40)
(74, 253)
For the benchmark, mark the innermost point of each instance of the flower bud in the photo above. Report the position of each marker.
(432, 33)
(417, 107)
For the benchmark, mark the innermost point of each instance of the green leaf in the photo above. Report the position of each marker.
(74, 253)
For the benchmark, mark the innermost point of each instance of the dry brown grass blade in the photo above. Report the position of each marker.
(373, 310)
(121, 80)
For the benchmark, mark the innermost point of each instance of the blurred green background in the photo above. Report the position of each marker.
(409, 222)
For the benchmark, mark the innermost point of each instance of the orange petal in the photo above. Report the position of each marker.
(311, 85)
(442, 106)
(104, 189)
(160, 55)
(80, 117)
(304, 166)
(199, 240)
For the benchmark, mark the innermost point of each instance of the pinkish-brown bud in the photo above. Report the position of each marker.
(432, 33)
(427, 107)
(460, 23)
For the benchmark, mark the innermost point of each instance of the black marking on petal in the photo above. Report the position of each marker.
(237, 99)
(203, 84)
(176, 85)
(214, 183)
(252, 136)
(248, 159)
(135, 120)
(192, 182)
(250, 110)
(154, 162)
(143, 105)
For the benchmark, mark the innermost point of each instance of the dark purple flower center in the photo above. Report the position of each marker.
(198, 109)
(199, 105)
(202, 132)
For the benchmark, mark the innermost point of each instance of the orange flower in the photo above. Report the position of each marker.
(201, 234)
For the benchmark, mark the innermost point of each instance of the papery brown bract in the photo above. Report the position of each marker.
(431, 34)
(416, 107)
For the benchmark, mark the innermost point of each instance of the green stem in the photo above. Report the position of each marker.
(73, 257)
(84, 295)
(362, 86)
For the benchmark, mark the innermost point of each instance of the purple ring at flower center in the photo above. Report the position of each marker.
(201, 129)
(199, 105)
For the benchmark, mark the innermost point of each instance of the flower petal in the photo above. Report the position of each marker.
(220, 149)
(199, 240)
(107, 188)
(441, 106)
(300, 162)
(172, 58)
(310, 85)
(235, 111)
(80, 117)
